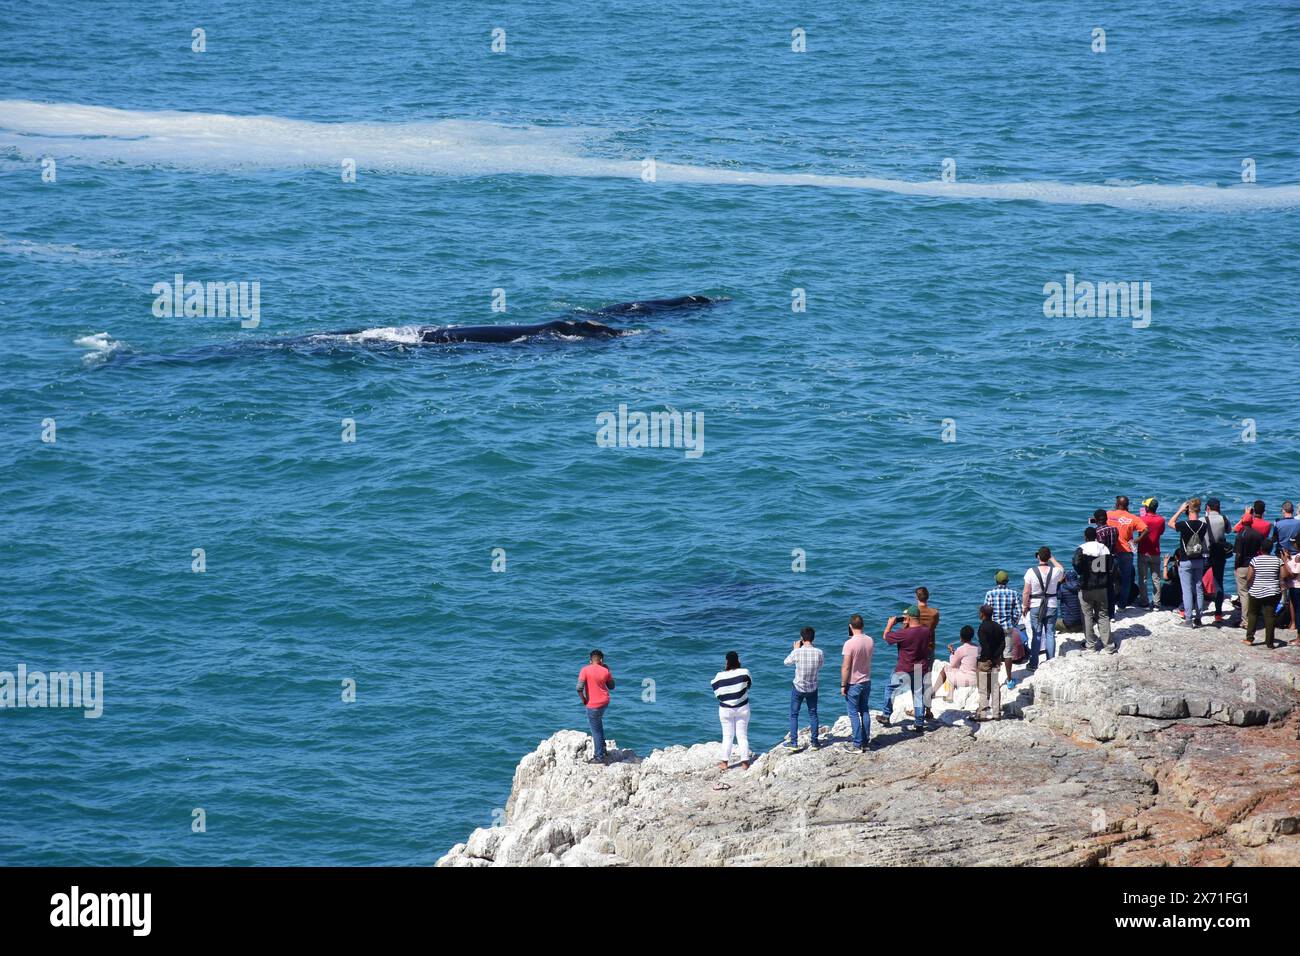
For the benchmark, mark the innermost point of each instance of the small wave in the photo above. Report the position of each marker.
(52, 250)
(215, 141)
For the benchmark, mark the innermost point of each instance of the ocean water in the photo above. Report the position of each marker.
(372, 560)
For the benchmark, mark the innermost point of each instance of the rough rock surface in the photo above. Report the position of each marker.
(1182, 749)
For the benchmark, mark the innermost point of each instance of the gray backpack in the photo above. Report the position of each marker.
(1194, 547)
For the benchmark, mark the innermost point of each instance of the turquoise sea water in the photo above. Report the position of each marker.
(372, 560)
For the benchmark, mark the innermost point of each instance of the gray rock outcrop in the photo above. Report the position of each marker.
(1182, 749)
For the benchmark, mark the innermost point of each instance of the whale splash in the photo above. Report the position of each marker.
(215, 141)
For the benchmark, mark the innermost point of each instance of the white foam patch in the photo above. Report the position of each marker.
(52, 250)
(469, 148)
(101, 346)
(393, 335)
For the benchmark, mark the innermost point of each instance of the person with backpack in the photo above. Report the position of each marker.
(1042, 582)
(1092, 563)
(1194, 547)
(1220, 548)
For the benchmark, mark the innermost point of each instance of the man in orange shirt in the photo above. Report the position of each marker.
(1131, 529)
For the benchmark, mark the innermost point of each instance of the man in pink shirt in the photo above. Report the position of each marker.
(1150, 570)
(855, 683)
(594, 684)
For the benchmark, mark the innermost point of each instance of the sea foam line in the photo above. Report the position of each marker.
(215, 141)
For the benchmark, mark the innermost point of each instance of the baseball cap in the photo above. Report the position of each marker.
(1001, 577)
(912, 612)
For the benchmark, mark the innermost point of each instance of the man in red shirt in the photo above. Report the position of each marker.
(594, 684)
(1254, 516)
(1131, 529)
(1148, 552)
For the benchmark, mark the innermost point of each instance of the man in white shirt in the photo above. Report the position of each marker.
(1092, 563)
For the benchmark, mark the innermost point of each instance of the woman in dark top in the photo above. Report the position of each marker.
(993, 640)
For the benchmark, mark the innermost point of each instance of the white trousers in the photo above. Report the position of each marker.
(735, 723)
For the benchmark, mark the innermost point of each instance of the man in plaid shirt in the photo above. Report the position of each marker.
(807, 661)
(1006, 613)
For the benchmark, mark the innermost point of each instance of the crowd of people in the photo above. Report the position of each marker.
(1118, 565)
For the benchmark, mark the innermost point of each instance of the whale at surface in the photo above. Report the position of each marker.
(578, 323)
(585, 324)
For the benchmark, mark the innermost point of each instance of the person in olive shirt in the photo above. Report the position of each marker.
(993, 640)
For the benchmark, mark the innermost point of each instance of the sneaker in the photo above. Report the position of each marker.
(1218, 618)
(849, 746)
(789, 746)
(883, 718)
(915, 729)
(1181, 613)
(1010, 683)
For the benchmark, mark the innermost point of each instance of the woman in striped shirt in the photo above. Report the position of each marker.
(1264, 582)
(731, 687)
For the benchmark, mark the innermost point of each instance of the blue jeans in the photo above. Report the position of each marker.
(1124, 564)
(1044, 637)
(916, 685)
(797, 697)
(1190, 572)
(859, 716)
(596, 720)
